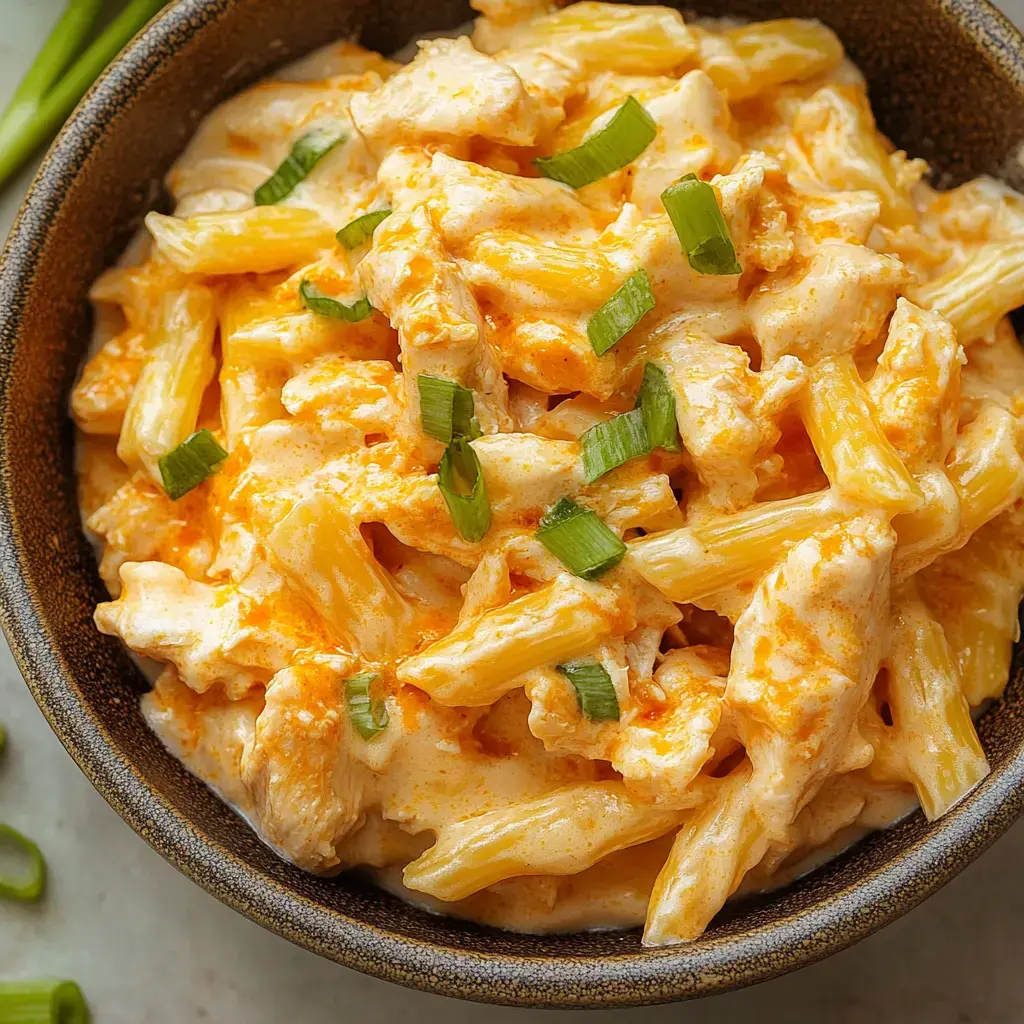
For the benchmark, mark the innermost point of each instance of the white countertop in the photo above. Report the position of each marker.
(147, 945)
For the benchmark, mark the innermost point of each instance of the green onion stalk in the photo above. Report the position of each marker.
(48, 93)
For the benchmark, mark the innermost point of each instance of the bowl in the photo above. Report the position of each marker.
(947, 82)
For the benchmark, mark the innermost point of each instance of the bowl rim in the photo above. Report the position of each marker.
(711, 965)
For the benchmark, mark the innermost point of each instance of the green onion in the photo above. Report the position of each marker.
(307, 152)
(461, 481)
(26, 888)
(693, 208)
(192, 462)
(47, 1001)
(369, 717)
(610, 444)
(323, 305)
(578, 538)
(657, 401)
(360, 230)
(630, 131)
(446, 409)
(594, 690)
(46, 97)
(621, 313)
(3, 738)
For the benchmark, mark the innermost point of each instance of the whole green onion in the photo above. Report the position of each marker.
(621, 313)
(46, 96)
(369, 717)
(27, 887)
(323, 305)
(46, 1001)
(461, 481)
(578, 538)
(594, 690)
(307, 152)
(360, 230)
(193, 461)
(630, 131)
(446, 408)
(693, 208)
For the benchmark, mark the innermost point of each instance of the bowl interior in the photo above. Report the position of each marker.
(963, 111)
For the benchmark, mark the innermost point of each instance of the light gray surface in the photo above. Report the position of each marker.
(148, 945)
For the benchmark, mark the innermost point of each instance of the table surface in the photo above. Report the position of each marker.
(147, 945)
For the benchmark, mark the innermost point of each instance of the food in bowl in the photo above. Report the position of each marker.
(574, 475)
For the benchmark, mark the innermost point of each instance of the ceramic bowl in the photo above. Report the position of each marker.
(947, 82)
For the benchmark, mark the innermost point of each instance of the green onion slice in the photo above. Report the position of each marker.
(630, 131)
(192, 462)
(594, 689)
(610, 444)
(693, 208)
(446, 409)
(360, 230)
(47, 1001)
(304, 156)
(461, 481)
(369, 716)
(657, 401)
(621, 313)
(27, 887)
(323, 305)
(578, 538)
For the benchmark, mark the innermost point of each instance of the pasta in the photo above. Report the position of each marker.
(576, 475)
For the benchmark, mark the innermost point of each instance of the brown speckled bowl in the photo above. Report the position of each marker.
(947, 81)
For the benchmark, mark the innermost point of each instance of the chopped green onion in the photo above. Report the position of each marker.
(323, 305)
(630, 131)
(594, 690)
(360, 230)
(461, 481)
(369, 717)
(610, 444)
(47, 1001)
(621, 313)
(193, 461)
(693, 208)
(582, 542)
(307, 152)
(657, 401)
(46, 96)
(446, 409)
(26, 888)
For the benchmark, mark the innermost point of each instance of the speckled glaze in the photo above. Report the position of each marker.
(947, 81)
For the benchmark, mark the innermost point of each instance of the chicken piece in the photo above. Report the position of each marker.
(139, 523)
(410, 277)
(662, 749)
(341, 58)
(243, 141)
(215, 636)
(994, 373)
(308, 791)
(916, 388)
(100, 473)
(727, 413)
(450, 91)
(835, 138)
(551, 79)
(693, 138)
(609, 36)
(210, 734)
(806, 653)
(757, 219)
(831, 305)
(343, 396)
